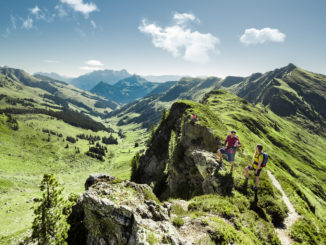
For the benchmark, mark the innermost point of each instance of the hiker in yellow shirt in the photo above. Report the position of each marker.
(256, 165)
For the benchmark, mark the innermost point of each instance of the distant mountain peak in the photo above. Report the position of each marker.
(90, 80)
(291, 66)
(231, 80)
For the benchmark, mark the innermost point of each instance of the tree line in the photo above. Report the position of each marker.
(69, 116)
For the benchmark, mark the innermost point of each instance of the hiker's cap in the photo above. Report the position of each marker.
(233, 131)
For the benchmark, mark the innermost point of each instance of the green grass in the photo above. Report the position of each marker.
(297, 159)
(297, 156)
(26, 155)
(178, 222)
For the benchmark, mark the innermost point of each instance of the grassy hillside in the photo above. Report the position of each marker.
(19, 89)
(29, 152)
(37, 142)
(289, 92)
(296, 159)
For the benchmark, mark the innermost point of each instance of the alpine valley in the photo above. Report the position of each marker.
(136, 169)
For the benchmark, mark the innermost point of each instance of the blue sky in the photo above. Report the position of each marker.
(185, 37)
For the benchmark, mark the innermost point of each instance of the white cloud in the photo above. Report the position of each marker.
(256, 36)
(183, 18)
(41, 14)
(35, 10)
(90, 68)
(80, 6)
(182, 41)
(28, 23)
(94, 63)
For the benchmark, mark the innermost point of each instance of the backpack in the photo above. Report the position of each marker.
(265, 160)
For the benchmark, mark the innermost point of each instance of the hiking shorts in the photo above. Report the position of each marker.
(252, 168)
(230, 152)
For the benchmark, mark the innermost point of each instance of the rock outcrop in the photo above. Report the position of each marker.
(122, 212)
(181, 159)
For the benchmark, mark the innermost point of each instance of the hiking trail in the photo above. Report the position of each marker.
(283, 233)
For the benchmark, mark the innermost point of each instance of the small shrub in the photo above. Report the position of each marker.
(151, 238)
(149, 195)
(109, 140)
(71, 139)
(12, 122)
(178, 222)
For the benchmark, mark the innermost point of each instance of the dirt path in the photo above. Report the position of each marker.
(283, 234)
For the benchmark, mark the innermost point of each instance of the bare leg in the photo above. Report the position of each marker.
(247, 172)
(257, 181)
(232, 164)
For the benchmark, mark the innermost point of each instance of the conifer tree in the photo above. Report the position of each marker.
(50, 225)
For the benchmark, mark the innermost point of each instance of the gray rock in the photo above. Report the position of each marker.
(118, 212)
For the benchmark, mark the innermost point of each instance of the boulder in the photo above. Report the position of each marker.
(200, 173)
(123, 212)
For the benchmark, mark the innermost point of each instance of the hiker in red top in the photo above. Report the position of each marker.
(230, 147)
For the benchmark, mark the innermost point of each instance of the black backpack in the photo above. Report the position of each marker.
(265, 159)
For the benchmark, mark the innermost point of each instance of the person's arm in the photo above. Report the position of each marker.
(239, 143)
(225, 142)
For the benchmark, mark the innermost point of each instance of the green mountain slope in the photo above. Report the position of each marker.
(289, 92)
(148, 110)
(296, 159)
(23, 93)
(54, 75)
(292, 92)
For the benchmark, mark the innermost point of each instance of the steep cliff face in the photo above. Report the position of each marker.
(182, 153)
(154, 161)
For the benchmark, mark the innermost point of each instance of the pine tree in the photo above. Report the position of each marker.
(50, 225)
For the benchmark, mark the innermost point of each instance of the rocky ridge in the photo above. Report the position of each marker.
(181, 159)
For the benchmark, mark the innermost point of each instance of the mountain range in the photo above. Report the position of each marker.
(45, 125)
(289, 91)
(90, 80)
(23, 93)
(125, 90)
